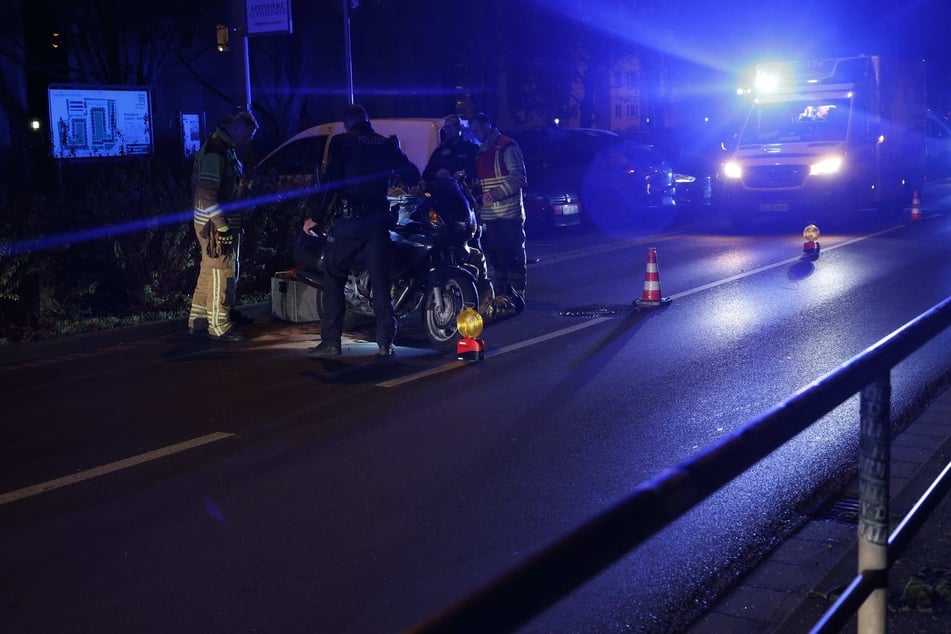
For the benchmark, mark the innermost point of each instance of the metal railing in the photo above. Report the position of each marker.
(527, 590)
(866, 581)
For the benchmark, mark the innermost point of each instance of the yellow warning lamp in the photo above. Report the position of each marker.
(470, 347)
(810, 247)
(470, 323)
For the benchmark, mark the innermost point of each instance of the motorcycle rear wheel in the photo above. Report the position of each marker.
(458, 292)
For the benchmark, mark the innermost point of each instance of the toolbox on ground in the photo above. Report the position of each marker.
(292, 300)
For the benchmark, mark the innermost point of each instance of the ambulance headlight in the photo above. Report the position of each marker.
(828, 165)
(766, 82)
(732, 170)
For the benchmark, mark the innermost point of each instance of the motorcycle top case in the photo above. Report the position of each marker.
(292, 300)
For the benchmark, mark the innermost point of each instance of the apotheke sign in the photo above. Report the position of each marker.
(269, 16)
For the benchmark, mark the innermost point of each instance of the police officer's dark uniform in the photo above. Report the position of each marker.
(359, 167)
(453, 155)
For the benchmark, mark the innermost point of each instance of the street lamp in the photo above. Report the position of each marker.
(222, 33)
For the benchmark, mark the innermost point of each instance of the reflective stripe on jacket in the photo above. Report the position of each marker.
(501, 170)
(216, 175)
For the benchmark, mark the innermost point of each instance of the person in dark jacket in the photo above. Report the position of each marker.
(216, 182)
(360, 165)
(455, 154)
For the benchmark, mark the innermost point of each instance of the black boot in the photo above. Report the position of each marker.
(238, 319)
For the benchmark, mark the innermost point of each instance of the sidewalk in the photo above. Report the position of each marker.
(790, 590)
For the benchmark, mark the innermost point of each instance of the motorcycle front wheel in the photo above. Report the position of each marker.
(458, 292)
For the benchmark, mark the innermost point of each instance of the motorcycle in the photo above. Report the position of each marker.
(433, 270)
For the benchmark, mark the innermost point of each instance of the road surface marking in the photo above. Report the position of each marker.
(409, 378)
(767, 267)
(515, 346)
(95, 472)
(586, 252)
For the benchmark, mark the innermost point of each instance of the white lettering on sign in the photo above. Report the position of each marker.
(268, 16)
(267, 9)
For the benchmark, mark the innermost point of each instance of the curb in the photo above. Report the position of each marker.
(23, 353)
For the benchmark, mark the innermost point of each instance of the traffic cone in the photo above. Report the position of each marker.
(651, 296)
(915, 207)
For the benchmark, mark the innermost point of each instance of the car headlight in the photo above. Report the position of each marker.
(732, 170)
(828, 165)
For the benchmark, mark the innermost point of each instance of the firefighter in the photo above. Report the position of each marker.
(500, 168)
(216, 179)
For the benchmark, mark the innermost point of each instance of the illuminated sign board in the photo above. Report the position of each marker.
(192, 125)
(269, 16)
(100, 122)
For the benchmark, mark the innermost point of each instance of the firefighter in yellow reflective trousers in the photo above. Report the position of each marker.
(216, 179)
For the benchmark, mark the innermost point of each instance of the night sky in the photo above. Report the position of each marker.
(727, 33)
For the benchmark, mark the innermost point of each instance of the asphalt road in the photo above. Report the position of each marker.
(162, 484)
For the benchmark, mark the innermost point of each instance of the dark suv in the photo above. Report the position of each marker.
(598, 176)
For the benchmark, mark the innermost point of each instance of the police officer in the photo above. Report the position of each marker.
(453, 155)
(360, 164)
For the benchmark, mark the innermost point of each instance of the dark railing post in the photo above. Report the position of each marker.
(874, 458)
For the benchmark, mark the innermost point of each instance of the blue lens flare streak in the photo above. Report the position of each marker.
(23, 247)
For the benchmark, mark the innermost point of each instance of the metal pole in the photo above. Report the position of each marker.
(348, 50)
(241, 67)
(874, 458)
(247, 70)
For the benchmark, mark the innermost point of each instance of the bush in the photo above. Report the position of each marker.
(113, 245)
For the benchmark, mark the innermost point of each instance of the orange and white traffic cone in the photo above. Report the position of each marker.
(651, 296)
(915, 207)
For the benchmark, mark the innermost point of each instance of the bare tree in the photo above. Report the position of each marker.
(13, 98)
(293, 74)
(120, 42)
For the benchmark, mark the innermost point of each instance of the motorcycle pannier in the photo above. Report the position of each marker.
(292, 300)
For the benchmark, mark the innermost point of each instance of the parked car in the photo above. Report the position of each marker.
(555, 161)
(697, 155)
(294, 166)
(301, 156)
(938, 144)
(599, 177)
(631, 186)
